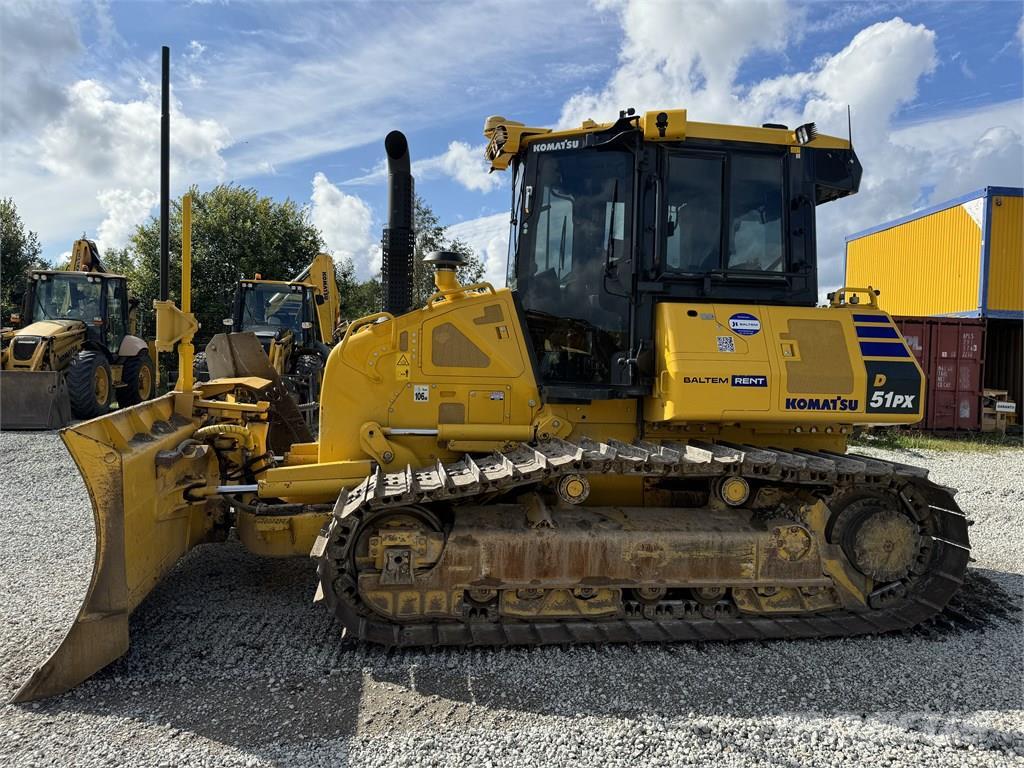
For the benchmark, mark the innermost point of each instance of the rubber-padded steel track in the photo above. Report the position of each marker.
(527, 465)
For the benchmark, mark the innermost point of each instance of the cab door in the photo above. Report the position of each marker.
(574, 268)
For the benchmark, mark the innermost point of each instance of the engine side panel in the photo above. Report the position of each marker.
(723, 363)
(460, 365)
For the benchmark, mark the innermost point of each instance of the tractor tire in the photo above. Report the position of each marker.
(90, 384)
(138, 380)
(310, 368)
(200, 370)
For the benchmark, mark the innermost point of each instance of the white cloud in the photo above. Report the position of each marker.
(106, 29)
(195, 50)
(37, 40)
(125, 209)
(461, 162)
(488, 237)
(345, 221)
(343, 79)
(98, 141)
(119, 141)
(968, 150)
(669, 57)
(468, 166)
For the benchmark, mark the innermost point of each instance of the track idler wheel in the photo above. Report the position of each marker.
(398, 542)
(879, 538)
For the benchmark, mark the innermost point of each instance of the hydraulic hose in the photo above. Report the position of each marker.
(226, 430)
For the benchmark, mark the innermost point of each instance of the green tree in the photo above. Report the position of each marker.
(357, 299)
(20, 253)
(431, 236)
(236, 233)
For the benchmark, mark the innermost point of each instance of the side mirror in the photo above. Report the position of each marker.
(227, 321)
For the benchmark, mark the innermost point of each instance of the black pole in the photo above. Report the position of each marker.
(165, 170)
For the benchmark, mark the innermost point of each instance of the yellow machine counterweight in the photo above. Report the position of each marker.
(641, 438)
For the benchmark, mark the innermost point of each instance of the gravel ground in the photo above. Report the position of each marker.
(231, 665)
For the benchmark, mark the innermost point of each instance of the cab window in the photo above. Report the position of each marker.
(694, 229)
(755, 214)
(724, 212)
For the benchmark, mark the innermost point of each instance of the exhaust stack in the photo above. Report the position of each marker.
(399, 235)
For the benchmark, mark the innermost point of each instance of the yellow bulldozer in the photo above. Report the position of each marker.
(643, 437)
(75, 350)
(296, 323)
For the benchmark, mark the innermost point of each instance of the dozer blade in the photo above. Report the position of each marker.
(34, 400)
(137, 464)
(230, 355)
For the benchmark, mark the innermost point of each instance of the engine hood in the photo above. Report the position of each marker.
(46, 328)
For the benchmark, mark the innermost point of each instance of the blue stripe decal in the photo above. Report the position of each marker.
(871, 318)
(882, 349)
(876, 332)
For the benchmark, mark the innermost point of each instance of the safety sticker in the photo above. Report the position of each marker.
(744, 323)
(497, 395)
(726, 344)
(421, 393)
(402, 367)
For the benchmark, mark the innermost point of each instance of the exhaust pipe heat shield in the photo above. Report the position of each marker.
(138, 465)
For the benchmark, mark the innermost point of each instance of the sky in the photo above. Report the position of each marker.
(295, 98)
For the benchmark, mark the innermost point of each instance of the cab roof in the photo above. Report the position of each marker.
(103, 275)
(506, 138)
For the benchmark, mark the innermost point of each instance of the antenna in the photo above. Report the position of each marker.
(849, 125)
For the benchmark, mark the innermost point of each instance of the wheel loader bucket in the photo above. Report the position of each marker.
(34, 400)
(137, 466)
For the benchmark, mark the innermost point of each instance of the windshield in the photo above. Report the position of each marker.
(574, 244)
(272, 307)
(67, 297)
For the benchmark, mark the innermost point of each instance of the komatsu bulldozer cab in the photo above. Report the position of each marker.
(273, 309)
(609, 220)
(99, 301)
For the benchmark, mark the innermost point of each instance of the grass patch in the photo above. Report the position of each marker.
(912, 440)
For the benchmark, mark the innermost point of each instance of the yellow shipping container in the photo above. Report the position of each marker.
(961, 258)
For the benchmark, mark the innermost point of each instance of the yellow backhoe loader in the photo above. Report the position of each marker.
(642, 438)
(76, 349)
(295, 322)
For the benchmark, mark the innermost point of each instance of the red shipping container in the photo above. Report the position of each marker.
(951, 351)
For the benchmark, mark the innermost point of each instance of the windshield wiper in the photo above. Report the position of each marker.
(609, 253)
(561, 249)
(44, 315)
